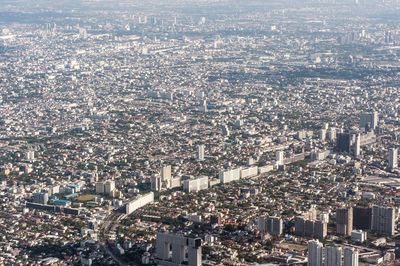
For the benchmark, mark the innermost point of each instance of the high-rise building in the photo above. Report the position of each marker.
(369, 120)
(225, 131)
(99, 187)
(200, 153)
(279, 157)
(332, 134)
(322, 134)
(344, 221)
(166, 172)
(350, 257)
(156, 183)
(109, 186)
(383, 219)
(362, 218)
(333, 256)
(357, 146)
(179, 245)
(310, 228)
(343, 142)
(393, 158)
(41, 197)
(320, 229)
(315, 249)
(272, 225)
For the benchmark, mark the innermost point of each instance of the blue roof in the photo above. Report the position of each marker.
(61, 202)
(71, 196)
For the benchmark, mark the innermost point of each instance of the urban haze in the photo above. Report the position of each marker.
(208, 132)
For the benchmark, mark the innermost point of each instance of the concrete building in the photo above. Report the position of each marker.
(279, 157)
(343, 142)
(315, 250)
(109, 186)
(41, 197)
(310, 228)
(393, 158)
(178, 244)
(156, 183)
(357, 146)
(200, 152)
(362, 218)
(100, 188)
(359, 236)
(344, 221)
(225, 131)
(369, 120)
(194, 185)
(350, 257)
(139, 202)
(383, 219)
(166, 172)
(322, 134)
(229, 175)
(249, 172)
(331, 134)
(333, 256)
(272, 225)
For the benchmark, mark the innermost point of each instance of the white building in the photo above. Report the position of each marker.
(229, 175)
(315, 249)
(139, 202)
(322, 134)
(333, 256)
(200, 153)
(249, 172)
(195, 185)
(393, 159)
(279, 157)
(109, 186)
(350, 257)
(358, 235)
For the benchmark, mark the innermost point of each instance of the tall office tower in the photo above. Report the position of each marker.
(315, 249)
(179, 245)
(166, 172)
(279, 157)
(156, 183)
(271, 225)
(203, 106)
(383, 219)
(393, 159)
(225, 130)
(344, 221)
(362, 218)
(350, 257)
(369, 120)
(309, 143)
(333, 256)
(357, 146)
(320, 229)
(109, 186)
(200, 153)
(41, 197)
(322, 134)
(332, 134)
(343, 142)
